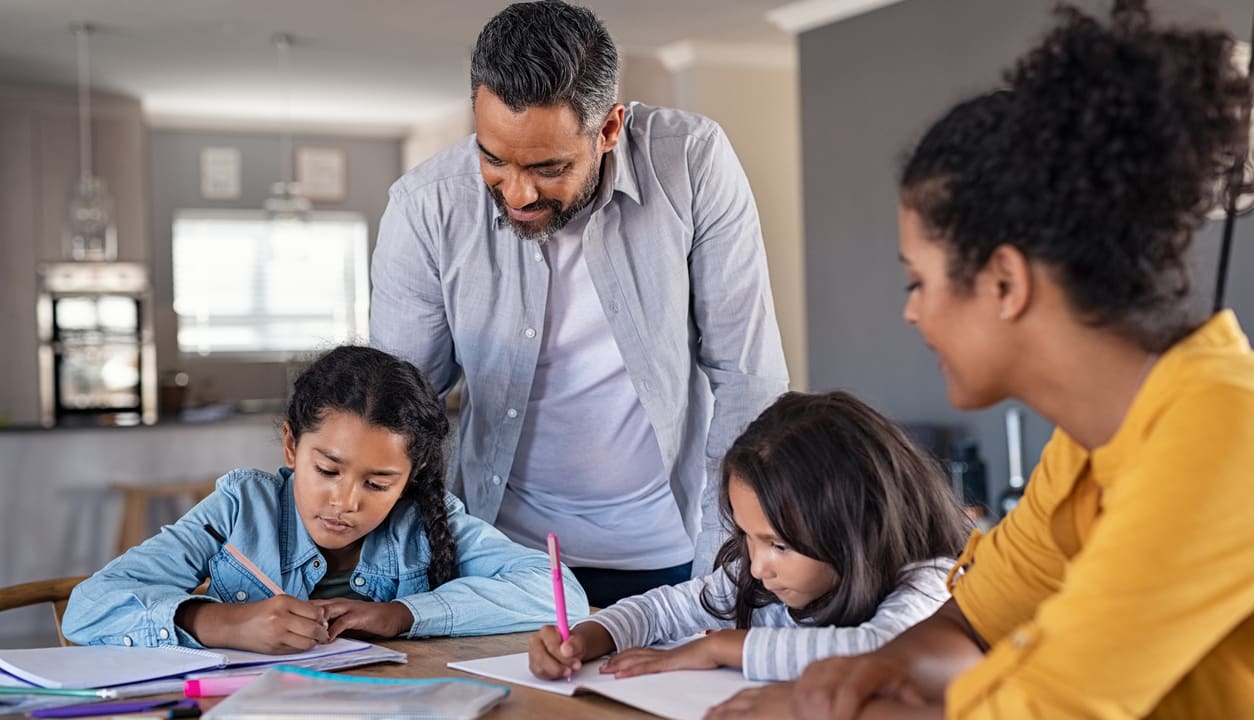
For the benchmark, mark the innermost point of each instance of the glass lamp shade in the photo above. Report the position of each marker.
(286, 202)
(89, 232)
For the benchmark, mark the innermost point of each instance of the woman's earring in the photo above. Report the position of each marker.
(1005, 314)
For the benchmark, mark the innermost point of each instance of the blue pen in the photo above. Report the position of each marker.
(175, 708)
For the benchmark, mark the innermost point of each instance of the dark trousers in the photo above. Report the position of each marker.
(606, 587)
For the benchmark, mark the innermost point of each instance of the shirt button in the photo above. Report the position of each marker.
(496, 479)
(1019, 640)
(511, 413)
(539, 257)
(530, 332)
(164, 634)
(127, 641)
(613, 307)
(241, 596)
(317, 563)
(359, 581)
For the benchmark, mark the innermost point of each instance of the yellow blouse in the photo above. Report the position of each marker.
(1122, 585)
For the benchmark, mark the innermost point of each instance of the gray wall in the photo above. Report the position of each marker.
(373, 164)
(869, 87)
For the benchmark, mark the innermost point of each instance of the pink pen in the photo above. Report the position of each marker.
(559, 590)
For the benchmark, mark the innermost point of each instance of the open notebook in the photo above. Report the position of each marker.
(679, 695)
(101, 666)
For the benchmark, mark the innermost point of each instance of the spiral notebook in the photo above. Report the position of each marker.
(100, 666)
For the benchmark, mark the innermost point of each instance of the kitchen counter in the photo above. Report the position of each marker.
(58, 513)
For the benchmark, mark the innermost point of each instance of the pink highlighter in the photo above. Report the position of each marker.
(216, 686)
(559, 590)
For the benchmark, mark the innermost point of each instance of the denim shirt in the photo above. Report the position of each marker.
(501, 586)
(678, 264)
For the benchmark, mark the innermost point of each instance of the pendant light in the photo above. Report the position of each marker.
(89, 232)
(285, 201)
(1239, 184)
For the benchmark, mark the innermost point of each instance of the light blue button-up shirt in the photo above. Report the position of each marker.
(501, 586)
(679, 268)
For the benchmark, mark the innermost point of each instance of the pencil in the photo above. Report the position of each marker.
(243, 560)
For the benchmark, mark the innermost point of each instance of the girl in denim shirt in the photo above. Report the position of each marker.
(356, 529)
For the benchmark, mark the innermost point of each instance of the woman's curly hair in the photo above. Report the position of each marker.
(1100, 160)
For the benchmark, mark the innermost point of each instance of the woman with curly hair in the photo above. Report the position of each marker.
(1045, 231)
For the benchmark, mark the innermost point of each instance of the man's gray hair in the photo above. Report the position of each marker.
(548, 53)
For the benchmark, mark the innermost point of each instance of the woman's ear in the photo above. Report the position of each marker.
(289, 445)
(1011, 275)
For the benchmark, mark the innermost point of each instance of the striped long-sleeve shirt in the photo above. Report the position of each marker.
(776, 646)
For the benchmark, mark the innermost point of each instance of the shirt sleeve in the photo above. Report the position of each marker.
(781, 653)
(501, 586)
(1004, 575)
(739, 351)
(666, 613)
(133, 599)
(1167, 572)
(407, 314)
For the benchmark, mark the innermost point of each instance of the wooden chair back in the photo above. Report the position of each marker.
(55, 591)
(136, 500)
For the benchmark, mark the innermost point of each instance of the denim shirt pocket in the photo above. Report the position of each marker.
(412, 581)
(380, 588)
(230, 582)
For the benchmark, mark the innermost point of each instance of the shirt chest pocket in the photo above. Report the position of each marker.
(412, 582)
(230, 582)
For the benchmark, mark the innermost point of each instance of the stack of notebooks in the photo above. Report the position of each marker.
(133, 671)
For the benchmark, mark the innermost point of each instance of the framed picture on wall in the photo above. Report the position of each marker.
(322, 173)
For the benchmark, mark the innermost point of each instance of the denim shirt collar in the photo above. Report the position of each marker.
(379, 555)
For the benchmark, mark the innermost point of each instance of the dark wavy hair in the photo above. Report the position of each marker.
(533, 54)
(1100, 160)
(841, 484)
(389, 393)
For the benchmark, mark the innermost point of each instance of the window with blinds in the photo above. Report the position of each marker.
(248, 284)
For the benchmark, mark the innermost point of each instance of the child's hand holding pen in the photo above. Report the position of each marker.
(278, 625)
(550, 659)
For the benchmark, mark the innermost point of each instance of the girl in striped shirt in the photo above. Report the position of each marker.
(842, 534)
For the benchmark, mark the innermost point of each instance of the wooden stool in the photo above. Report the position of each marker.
(136, 502)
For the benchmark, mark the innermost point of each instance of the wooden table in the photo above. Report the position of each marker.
(430, 658)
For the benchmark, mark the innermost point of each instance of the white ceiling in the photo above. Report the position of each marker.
(361, 63)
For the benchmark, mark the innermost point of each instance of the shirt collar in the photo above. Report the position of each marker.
(1220, 334)
(617, 166)
(298, 547)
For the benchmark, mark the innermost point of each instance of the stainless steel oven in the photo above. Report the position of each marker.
(97, 361)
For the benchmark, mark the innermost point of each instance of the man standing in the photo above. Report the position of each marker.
(597, 274)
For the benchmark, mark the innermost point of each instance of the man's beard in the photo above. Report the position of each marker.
(561, 215)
